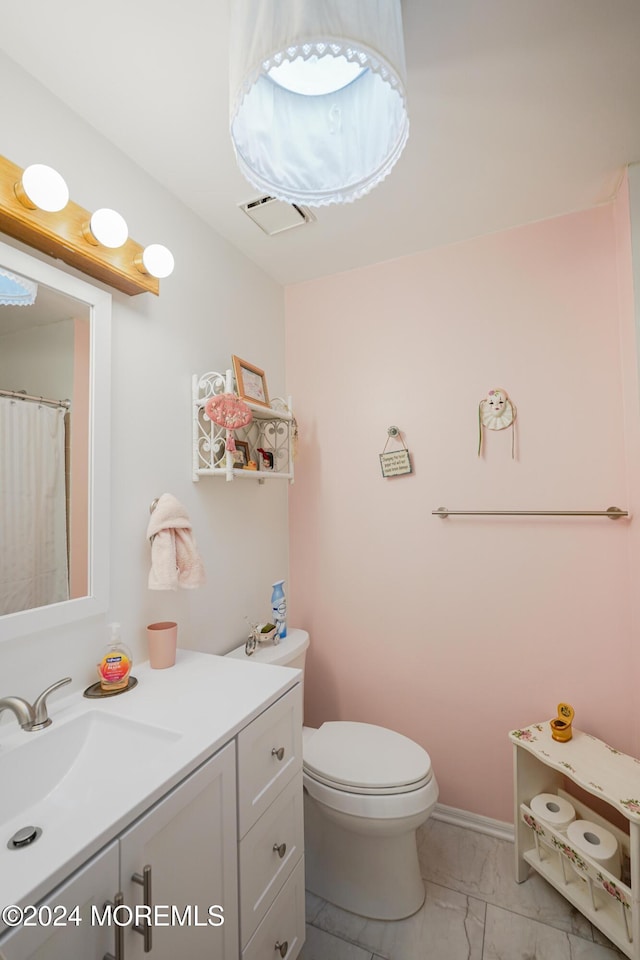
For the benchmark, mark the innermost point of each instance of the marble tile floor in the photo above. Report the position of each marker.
(474, 910)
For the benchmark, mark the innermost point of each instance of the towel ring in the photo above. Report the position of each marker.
(154, 504)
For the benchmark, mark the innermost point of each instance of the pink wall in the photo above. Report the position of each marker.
(631, 400)
(455, 631)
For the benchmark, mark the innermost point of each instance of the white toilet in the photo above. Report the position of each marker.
(367, 790)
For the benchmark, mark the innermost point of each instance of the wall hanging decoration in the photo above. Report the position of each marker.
(395, 463)
(230, 412)
(496, 412)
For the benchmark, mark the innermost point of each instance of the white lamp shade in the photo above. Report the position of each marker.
(335, 143)
(44, 188)
(109, 228)
(157, 261)
(16, 291)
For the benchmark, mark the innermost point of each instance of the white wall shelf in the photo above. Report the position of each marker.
(543, 765)
(272, 429)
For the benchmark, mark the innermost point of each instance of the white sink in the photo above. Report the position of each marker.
(71, 765)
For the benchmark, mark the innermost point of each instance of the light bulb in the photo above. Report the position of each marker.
(106, 227)
(42, 187)
(155, 260)
(316, 76)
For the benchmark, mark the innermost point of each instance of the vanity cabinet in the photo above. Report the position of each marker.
(543, 765)
(272, 429)
(270, 832)
(188, 840)
(91, 886)
(227, 841)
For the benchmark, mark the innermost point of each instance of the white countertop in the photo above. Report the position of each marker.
(201, 703)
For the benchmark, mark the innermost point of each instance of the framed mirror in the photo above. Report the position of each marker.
(54, 447)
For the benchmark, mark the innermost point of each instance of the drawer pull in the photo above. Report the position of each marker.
(144, 928)
(279, 753)
(118, 900)
(280, 849)
(282, 948)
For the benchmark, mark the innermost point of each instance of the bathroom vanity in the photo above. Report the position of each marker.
(183, 795)
(541, 765)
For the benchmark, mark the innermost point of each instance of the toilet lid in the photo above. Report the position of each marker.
(362, 757)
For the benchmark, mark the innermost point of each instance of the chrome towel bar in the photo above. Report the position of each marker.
(613, 513)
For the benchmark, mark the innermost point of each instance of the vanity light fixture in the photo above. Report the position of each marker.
(74, 235)
(155, 260)
(107, 227)
(42, 187)
(318, 108)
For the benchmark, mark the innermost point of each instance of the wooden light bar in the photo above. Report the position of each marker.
(60, 235)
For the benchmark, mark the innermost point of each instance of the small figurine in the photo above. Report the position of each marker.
(561, 725)
(267, 458)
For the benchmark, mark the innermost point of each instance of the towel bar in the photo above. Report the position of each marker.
(613, 513)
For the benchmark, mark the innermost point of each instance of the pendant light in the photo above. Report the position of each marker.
(317, 112)
(16, 291)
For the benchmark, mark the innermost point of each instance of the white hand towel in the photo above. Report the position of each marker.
(175, 561)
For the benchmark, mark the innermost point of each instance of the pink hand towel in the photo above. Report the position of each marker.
(175, 561)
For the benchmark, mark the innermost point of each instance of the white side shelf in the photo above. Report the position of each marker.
(271, 429)
(542, 765)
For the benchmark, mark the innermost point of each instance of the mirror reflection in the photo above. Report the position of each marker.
(45, 361)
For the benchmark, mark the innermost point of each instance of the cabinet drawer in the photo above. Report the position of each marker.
(283, 925)
(268, 854)
(269, 754)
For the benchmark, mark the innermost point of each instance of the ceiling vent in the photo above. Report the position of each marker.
(274, 216)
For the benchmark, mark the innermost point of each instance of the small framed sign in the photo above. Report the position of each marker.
(396, 463)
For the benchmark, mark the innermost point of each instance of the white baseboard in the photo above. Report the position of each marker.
(474, 821)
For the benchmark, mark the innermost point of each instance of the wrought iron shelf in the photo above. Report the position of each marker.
(271, 429)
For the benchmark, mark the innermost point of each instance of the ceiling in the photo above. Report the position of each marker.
(520, 110)
(50, 306)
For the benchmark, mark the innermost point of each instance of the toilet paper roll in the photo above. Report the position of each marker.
(599, 844)
(555, 811)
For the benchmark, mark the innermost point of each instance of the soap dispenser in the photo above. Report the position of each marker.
(115, 666)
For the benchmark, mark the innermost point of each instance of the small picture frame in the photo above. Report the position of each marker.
(251, 382)
(241, 455)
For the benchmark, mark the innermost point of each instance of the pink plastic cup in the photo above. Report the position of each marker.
(162, 639)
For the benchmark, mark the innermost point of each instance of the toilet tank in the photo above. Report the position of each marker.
(290, 652)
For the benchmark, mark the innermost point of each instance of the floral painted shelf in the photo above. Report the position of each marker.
(543, 765)
(589, 762)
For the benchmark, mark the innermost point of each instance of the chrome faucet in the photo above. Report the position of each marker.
(32, 717)
(23, 711)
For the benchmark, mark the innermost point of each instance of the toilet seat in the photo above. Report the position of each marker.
(364, 759)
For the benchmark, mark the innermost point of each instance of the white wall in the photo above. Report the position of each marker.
(215, 304)
(39, 360)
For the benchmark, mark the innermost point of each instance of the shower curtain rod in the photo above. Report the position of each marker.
(20, 395)
(614, 513)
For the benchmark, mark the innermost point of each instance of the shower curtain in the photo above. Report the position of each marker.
(33, 523)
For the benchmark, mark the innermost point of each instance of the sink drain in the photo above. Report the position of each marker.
(24, 837)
